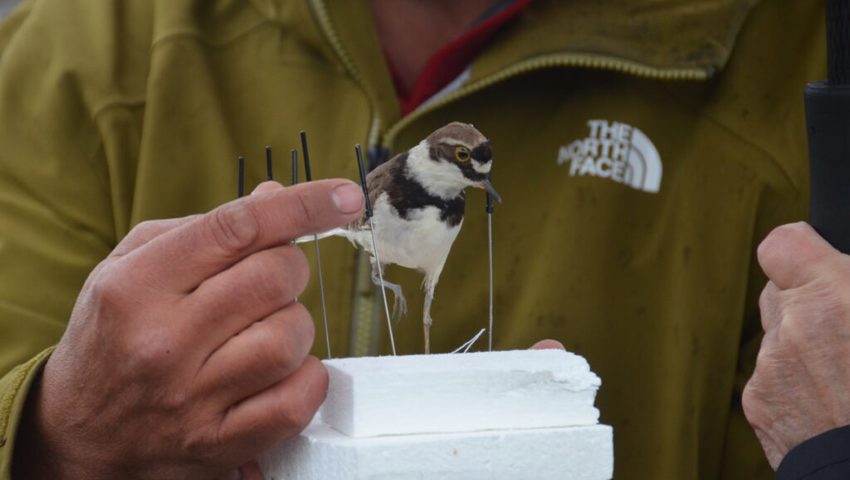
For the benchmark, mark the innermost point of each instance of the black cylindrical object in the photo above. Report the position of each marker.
(358, 152)
(828, 125)
(294, 166)
(308, 173)
(828, 119)
(269, 167)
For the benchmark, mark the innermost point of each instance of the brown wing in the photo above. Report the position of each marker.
(379, 180)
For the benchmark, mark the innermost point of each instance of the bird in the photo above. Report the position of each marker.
(418, 199)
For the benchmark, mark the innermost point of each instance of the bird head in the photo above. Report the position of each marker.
(461, 156)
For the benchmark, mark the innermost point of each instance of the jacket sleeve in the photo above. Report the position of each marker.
(56, 220)
(823, 457)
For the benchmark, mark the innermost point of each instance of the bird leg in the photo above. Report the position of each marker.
(426, 317)
(399, 302)
(429, 284)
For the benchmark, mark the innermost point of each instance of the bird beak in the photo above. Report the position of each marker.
(486, 185)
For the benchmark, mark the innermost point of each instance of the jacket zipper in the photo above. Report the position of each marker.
(580, 60)
(363, 331)
(324, 19)
(364, 307)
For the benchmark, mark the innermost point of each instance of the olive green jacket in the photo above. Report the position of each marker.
(642, 148)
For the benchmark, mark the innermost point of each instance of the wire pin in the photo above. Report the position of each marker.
(368, 211)
(308, 175)
(269, 173)
(489, 209)
(240, 187)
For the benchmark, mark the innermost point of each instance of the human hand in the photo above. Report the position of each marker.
(548, 344)
(801, 384)
(186, 354)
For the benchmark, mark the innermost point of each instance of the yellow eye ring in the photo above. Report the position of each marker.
(462, 154)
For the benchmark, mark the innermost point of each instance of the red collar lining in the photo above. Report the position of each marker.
(450, 61)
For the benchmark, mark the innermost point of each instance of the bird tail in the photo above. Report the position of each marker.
(336, 232)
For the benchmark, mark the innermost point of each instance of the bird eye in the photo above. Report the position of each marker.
(462, 154)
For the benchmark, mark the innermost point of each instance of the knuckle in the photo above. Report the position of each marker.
(764, 301)
(765, 358)
(747, 395)
(109, 292)
(279, 355)
(204, 443)
(303, 328)
(297, 269)
(792, 331)
(232, 228)
(320, 373)
(151, 352)
(268, 283)
(295, 415)
(303, 214)
(279, 275)
(285, 351)
(175, 401)
(298, 411)
(750, 401)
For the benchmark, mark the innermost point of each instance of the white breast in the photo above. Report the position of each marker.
(421, 241)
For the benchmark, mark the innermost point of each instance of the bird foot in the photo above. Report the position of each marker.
(399, 305)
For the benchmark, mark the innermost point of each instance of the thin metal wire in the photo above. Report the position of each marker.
(469, 343)
(308, 175)
(368, 213)
(294, 179)
(240, 186)
(490, 258)
(489, 210)
(294, 167)
(322, 293)
(383, 290)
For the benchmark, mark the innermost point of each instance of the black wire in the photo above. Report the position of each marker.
(358, 152)
(240, 187)
(294, 166)
(308, 174)
(269, 172)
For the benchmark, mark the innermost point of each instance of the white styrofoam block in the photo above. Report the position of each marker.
(574, 453)
(469, 392)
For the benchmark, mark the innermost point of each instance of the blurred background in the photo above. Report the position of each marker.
(6, 6)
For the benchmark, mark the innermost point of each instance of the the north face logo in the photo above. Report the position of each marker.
(617, 151)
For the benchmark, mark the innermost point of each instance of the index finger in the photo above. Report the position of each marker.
(793, 255)
(186, 256)
(150, 229)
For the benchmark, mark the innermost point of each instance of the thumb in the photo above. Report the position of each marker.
(251, 471)
(548, 345)
(248, 471)
(793, 255)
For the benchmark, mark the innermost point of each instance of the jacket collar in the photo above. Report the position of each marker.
(633, 36)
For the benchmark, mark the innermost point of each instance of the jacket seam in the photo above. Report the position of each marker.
(729, 131)
(193, 33)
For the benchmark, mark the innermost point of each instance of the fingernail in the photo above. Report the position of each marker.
(348, 198)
